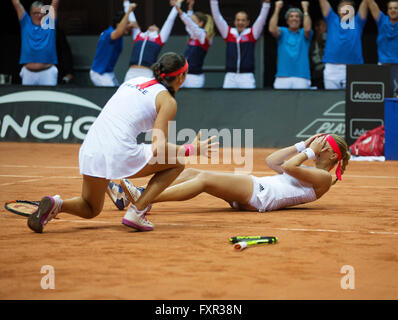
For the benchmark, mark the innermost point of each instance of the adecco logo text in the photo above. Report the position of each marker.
(359, 126)
(29, 121)
(367, 91)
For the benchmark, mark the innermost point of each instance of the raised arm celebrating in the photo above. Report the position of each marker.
(219, 20)
(258, 25)
(241, 41)
(192, 28)
(169, 23)
(200, 27)
(363, 9)
(191, 4)
(293, 66)
(273, 23)
(38, 43)
(18, 8)
(121, 28)
(55, 4)
(307, 22)
(132, 21)
(374, 9)
(387, 33)
(325, 7)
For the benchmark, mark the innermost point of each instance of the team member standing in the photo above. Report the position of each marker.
(241, 42)
(109, 47)
(38, 44)
(200, 28)
(387, 25)
(343, 42)
(110, 149)
(293, 185)
(147, 45)
(293, 67)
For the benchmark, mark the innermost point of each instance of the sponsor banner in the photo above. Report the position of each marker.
(367, 87)
(368, 92)
(42, 115)
(331, 121)
(359, 126)
(276, 118)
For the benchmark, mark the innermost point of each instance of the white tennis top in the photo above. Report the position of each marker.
(280, 191)
(110, 149)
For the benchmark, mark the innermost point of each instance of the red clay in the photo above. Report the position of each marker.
(188, 256)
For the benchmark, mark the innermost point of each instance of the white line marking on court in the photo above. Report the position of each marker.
(371, 177)
(18, 176)
(64, 177)
(36, 166)
(34, 180)
(24, 181)
(47, 177)
(318, 230)
(376, 187)
(31, 180)
(252, 227)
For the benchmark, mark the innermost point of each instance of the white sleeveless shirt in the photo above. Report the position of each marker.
(110, 149)
(280, 191)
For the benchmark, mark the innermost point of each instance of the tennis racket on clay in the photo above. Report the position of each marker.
(234, 240)
(241, 243)
(22, 207)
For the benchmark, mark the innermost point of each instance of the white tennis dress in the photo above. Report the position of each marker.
(280, 191)
(110, 149)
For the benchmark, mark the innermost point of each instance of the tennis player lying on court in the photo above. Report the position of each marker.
(110, 149)
(294, 184)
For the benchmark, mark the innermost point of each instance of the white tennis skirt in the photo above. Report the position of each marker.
(279, 191)
(114, 165)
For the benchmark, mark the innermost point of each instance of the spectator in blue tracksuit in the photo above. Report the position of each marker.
(293, 67)
(148, 44)
(200, 27)
(109, 47)
(241, 42)
(38, 43)
(343, 40)
(387, 25)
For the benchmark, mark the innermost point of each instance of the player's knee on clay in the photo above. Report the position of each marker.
(95, 210)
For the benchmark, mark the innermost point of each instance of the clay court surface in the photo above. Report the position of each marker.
(188, 256)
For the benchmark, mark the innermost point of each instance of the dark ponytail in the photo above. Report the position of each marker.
(167, 63)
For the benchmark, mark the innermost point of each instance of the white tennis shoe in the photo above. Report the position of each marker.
(137, 219)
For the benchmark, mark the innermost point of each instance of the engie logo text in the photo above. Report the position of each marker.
(45, 116)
